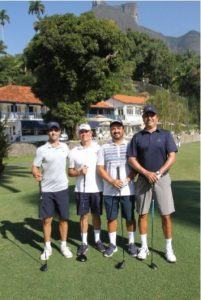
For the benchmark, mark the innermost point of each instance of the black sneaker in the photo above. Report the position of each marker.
(100, 246)
(111, 249)
(82, 249)
(133, 250)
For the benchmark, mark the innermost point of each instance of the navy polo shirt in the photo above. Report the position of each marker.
(151, 149)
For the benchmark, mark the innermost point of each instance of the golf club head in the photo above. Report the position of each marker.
(153, 266)
(44, 268)
(81, 258)
(120, 265)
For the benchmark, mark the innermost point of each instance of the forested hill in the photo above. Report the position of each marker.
(190, 40)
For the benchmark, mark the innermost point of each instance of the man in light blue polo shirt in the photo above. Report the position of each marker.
(49, 169)
(152, 153)
(113, 167)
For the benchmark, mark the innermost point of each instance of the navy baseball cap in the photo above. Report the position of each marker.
(119, 122)
(51, 125)
(149, 109)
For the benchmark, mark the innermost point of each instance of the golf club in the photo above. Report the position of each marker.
(44, 267)
(121, 264)
(82, 257)
(153, 266)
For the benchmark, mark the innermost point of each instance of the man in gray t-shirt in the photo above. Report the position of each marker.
(49, 169)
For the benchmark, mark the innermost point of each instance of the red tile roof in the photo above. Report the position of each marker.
(18, 94)
(101, 104)
(130, 99)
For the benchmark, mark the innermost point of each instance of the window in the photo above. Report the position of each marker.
(130, 110)
(120, 112)
(138, 111)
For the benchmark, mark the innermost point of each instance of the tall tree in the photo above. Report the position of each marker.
(3, 19)
(36, 7)
(4, 145)
(76, 59)
(2, 47)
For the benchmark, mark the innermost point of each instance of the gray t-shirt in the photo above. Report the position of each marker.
(52, 160)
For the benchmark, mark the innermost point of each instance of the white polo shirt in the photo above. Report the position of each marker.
(80, 156)
(52, 160)
(112, 156)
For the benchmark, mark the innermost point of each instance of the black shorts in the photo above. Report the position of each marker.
(112, 207)
(89, 201)
(54, 203)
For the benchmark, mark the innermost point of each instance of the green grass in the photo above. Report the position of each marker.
(21, 241)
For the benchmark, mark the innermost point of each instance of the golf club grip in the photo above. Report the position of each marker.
(84, 182)
(118, 172)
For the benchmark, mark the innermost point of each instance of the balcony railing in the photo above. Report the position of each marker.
(19, 116)
(109, 116)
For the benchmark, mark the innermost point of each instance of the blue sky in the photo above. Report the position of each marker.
(171, 18)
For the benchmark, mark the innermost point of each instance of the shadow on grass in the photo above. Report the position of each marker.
(6, 179)
(187, 201)
(22, 235)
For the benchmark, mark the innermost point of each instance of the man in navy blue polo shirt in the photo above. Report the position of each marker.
(152, 153)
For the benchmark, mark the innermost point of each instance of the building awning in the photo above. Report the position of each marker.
(94, 124)
(27, 124)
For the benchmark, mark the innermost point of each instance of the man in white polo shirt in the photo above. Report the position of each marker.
(118, 188)
(49, 169)
(88, 188)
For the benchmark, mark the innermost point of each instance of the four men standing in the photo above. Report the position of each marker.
(151, 153)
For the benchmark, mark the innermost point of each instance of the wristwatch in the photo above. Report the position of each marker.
(158, 174)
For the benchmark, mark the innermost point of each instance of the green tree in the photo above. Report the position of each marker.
(153, 60)
(4, 145)
(36, 7)
(3, 19)
(13, 71)
(68, 116)
(76, 59)
(173, 110)
(2, 48)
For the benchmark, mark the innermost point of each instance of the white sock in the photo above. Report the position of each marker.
(144, 241)
(84, 238)
(48, 245)
(168, 244)
(112, 237)
(131, 237)
(63, 243)
(97, 235)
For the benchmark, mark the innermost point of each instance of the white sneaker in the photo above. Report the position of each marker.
(170, 256)
(46, 254)
(142, 254)
(66, 252)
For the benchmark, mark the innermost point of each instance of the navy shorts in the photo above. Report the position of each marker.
(89, 201)
(54, 203)
(112, 207)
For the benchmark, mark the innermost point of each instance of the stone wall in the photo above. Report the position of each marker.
(21, 149)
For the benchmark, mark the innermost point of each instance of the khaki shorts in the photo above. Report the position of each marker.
(161, 193)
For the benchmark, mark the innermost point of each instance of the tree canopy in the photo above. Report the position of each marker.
(76, 59)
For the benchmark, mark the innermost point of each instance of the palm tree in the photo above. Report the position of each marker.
(2, 48)
(36, 7)
(3, 19)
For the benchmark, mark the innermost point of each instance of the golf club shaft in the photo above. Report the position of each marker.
(152, 224)
(122, 228)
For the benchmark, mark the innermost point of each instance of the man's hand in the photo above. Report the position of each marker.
(117, 183)
(152, 177)
(38, 177)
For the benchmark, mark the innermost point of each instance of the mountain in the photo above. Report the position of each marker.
(126, 19)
